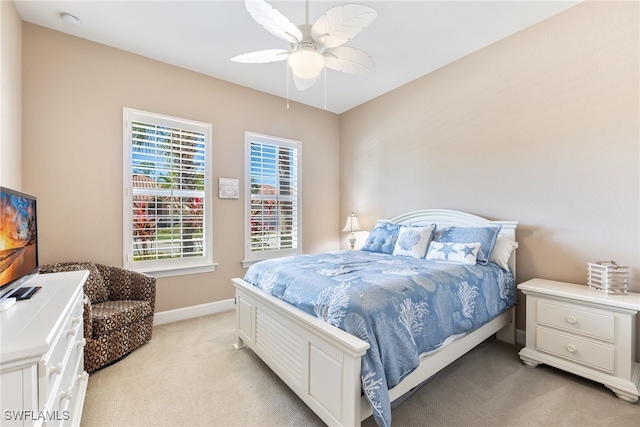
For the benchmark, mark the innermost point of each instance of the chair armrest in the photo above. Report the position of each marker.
(126, 284)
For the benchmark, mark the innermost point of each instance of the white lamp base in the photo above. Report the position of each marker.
(352, 241)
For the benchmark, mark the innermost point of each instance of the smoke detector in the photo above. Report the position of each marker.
(71, 19)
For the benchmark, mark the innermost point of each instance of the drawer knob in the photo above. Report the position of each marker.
(571, 319)
(66, 395)
(82, 342)
(571, 348)
(71, 332)
(55, 370)
(83, 376)
(75, 321)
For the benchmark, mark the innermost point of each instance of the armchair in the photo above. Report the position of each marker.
(119, 306)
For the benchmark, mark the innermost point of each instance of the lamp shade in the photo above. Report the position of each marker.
(352, 224)
(306, 63)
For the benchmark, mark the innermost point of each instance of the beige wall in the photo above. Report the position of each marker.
(541, 128)
(10, 96)
(552, 113)
(73, 94)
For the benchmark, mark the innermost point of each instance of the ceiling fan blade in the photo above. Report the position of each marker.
(304, 84)
(349, 60)
(273, 21)
(262, 56)
(341, 23)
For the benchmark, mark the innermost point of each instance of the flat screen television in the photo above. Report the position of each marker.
(18, 240)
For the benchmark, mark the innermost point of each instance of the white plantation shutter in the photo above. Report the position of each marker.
(167, 196)
(273, 197)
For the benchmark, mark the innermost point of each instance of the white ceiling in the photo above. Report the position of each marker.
(408, 39)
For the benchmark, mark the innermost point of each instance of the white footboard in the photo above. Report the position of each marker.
(319, 362)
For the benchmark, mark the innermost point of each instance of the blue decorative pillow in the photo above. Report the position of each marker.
(413, 241)
(382, 238)
(486, 236)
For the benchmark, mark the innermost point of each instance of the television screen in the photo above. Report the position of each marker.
(18, 239)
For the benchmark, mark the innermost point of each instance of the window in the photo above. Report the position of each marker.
(272, 197)
(167, 194)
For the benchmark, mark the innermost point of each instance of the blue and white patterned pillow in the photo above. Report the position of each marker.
(382, 238)
(413, 241)
(464, 253)
(485, 235)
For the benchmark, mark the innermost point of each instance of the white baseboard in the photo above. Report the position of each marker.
(521, 337)
(185, 313)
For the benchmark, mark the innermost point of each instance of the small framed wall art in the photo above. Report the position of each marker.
(229, 188)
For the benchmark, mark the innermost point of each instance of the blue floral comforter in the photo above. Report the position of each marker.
(401, 306)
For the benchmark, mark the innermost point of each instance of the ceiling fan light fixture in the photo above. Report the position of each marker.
(306, 63)
(313, 47)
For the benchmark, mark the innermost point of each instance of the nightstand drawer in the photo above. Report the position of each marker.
(600, 356)
(577, 319)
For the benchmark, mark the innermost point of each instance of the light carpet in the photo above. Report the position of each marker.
(190, 375)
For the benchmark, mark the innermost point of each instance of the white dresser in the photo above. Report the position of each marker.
(585, 332)
(42, 375)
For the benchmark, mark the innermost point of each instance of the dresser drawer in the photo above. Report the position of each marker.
(568, 346)
(577, 319)
(77, 383)
(65, 395)
(55, 362)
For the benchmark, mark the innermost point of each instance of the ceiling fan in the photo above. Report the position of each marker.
(316, 46)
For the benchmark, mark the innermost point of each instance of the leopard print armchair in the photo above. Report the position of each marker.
(119, 306)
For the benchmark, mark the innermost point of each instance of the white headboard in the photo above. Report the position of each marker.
(450, 217)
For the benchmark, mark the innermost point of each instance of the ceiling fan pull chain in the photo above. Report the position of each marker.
(325, 88)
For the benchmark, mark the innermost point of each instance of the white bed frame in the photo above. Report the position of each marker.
(321, 363)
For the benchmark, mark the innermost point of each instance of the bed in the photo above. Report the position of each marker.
(329, 368)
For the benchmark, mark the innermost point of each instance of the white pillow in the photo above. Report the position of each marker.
(502, 251)
(413, 241)
(465, 253)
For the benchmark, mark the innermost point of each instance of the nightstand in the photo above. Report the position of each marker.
(585, 332)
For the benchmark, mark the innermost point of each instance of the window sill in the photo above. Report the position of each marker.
(181, 271)
(246, 263)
